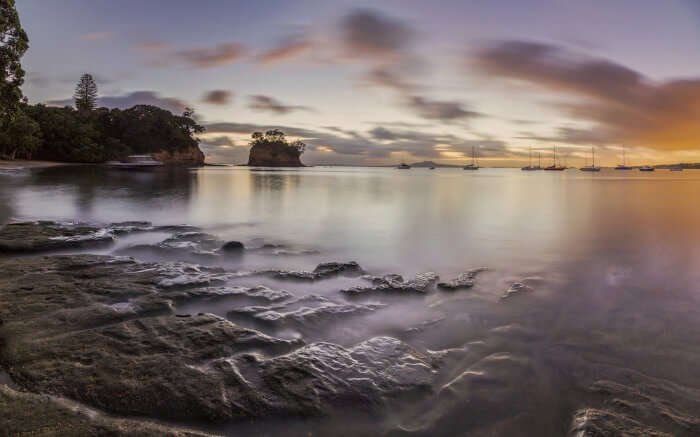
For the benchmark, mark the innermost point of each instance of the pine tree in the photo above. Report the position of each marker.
(13, 44)
(85, 93)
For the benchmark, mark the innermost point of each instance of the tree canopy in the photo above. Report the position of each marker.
(13, 44)
(69, 135)
(85, 93)
(276, 137)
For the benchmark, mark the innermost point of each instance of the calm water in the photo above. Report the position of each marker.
(612, 258)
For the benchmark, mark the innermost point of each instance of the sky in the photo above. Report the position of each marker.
(382, 82)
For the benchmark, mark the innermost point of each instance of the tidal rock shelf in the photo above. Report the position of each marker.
(102, 330)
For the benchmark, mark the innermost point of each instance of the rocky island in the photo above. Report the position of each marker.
(272, 149)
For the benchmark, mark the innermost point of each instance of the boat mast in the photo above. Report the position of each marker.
(624, 159)
(555, 156)
(593, 156)
(530, 164)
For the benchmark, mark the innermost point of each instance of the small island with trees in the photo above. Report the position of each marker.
(272, 149)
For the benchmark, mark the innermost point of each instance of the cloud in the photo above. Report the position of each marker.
(217, 97)
(288, 48)
(384, 77)
(379, 143)
(439, 110)
(270, 104)
(208, 57)
(370, 34)
(152, 46)
(622, 105)
(174, 105)
(97, 36)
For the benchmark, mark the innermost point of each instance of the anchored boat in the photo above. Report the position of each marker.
(135, 162)
(554, 166)
(591, 167)
(475, 164)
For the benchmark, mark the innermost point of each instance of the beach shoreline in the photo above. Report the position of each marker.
(24, 164)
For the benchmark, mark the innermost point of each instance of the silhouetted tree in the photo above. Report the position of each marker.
(13, 44)
(85, 93)
(277, 138)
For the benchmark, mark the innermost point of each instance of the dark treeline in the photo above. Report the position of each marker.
(67, 134)
(85, 134)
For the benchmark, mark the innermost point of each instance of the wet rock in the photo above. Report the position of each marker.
(259, 292)
(128, 227)
(322, 271)
(304, 311)
(32, 414)
(101, 331)
(232, 247)
(184, 275)
(321, 377)
(515, 289)
(197, 245)
(394, 283)
(42, 236)
(464, 280)
(591, 422)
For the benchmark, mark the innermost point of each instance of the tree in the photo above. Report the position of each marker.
(85, 93)
(276, 138)
(13, 44)
(21, 138)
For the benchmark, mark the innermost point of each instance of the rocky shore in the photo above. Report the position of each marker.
(102, 345)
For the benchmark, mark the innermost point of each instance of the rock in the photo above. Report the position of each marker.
(274, 155)
(32, 414)
(515, 289)
(101, 331)
(591, 422)
(191, 157)
(232, 247)
(259, 292)
(308, 310)
(394, 283)
(464, 280)
(321, 377)
(42, 236)
(178, 275)
(322, 271)
(129, 227)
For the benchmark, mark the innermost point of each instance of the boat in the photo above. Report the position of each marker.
(624, 165)
(554, 166)
(431, 168)
(591, 167)
(135, 162)
(646, 168)
(530, 167)
(403, 166)
(474, 165)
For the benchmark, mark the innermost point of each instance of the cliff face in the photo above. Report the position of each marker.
(273, 155)
(193, 156)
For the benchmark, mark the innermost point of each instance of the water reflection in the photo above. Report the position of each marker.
(612, 258)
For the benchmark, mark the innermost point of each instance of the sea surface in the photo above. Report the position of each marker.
(611, 261)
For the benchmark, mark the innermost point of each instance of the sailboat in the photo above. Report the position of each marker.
(646, 168)
(554, 165)
(591, 167)
(529, 167)
(623, 166)
(474, 165)
(403, 166)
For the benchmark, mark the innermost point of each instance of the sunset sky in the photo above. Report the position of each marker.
(388, 81)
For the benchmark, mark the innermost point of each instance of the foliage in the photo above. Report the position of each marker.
(276, 138)
(21, 138)
(13, 44)
(68, 135)
(85, 93)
